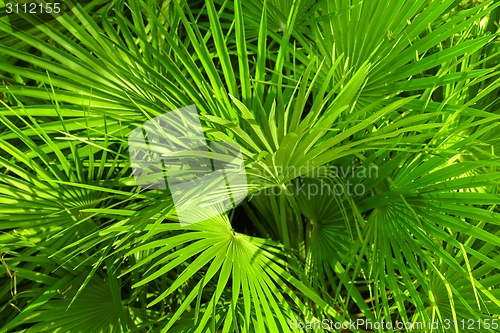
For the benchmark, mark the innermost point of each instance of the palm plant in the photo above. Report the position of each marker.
(406, 89)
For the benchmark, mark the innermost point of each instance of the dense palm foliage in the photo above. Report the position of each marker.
(406, 90)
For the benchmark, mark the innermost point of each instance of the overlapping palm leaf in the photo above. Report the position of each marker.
(298, 86)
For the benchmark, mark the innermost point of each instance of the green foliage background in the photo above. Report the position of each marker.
(408, 86)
